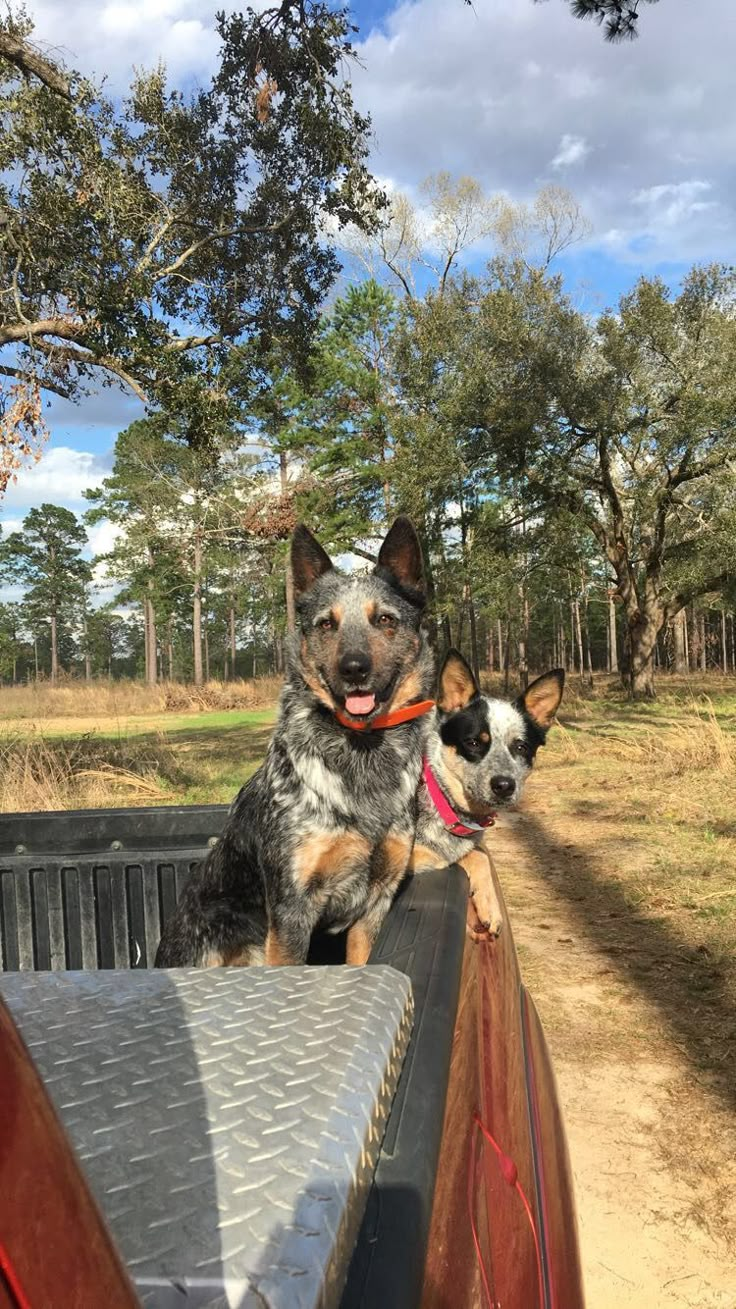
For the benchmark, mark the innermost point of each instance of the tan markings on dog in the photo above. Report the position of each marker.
(451, 781)
(370, 609)
(336, 613)
(485, 736)
(392, 859)
(312, 680)
(358, 945)
(212, 959)
(328, 855)
(407, 690)
(456, 686)
(276, 952)
(423, 857)
(542, 700)
(243, 957)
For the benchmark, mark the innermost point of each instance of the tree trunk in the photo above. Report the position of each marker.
(206, 651)
(499, 633)
(35, 654)
(150, 638)
(692, 640)
(679, 634)
(642, 642)
(87, 657)
(578, 635)
(490, 645)
(290, 602)
(197, 610)
(586, 638)
(507, 659)
(702, 651)
(474, 653)
(170, 651)
(54, 651)
(524, 641)
(613, 644)
(724, 645)
(232, 638)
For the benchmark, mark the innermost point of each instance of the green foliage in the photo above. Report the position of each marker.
(121, 225)
(45, 557)
(346, 431)
(619, 18)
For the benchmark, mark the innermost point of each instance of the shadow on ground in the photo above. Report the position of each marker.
(681, 980)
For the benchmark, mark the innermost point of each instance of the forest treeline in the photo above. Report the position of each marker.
(572, 480)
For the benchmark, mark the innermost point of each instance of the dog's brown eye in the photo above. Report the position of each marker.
(473, 741)
(520, 748)
(326, 624)
(386, 620)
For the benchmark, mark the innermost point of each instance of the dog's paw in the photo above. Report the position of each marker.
(484, 919)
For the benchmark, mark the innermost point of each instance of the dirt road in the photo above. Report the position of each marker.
(648, 1104)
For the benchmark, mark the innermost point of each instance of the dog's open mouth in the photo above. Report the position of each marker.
(362, 703)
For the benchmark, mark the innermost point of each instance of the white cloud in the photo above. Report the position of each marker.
(110, 40)
(60, 477)
(102, 537)
(512, 92)
(509, 91)
(674, 202)
(573, 150)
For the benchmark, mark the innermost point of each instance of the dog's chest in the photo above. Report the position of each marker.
(367, 794)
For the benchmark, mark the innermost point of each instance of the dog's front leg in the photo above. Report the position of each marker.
(363, 934)
(477, 865)
(287, 940)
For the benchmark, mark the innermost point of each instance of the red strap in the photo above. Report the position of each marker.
(9, 1278)
(393, 719)
(445, 810)
(510, 1175)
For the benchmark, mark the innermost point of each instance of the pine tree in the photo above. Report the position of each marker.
(46, 558)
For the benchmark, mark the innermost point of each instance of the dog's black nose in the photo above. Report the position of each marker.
(502, 786)
(355, 666)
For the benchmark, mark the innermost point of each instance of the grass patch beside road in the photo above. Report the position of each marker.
(179, 759)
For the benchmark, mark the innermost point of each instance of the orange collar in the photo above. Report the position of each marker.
(393, 719)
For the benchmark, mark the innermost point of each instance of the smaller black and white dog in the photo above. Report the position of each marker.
(479, 754)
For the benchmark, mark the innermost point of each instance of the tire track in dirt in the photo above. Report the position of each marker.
(652, 1142)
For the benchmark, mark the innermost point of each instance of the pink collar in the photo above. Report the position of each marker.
(453, 824)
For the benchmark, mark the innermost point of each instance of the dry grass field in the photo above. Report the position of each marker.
(620, 875)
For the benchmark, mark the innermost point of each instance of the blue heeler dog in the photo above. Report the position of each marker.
(479, 754)
(322, 834)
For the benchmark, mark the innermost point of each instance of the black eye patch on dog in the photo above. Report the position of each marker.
(535, 735)
(468, 731)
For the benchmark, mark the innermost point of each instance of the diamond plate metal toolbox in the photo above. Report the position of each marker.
(229, 1120)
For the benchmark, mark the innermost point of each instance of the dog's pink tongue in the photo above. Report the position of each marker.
(360, 704)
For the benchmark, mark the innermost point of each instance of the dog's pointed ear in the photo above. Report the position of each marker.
(541, 700)
(457, 685)
(401, 555)
(308, 560)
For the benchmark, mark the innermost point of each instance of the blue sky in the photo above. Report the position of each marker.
(514, 93)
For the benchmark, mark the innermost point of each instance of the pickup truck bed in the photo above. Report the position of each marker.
(91, 891)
